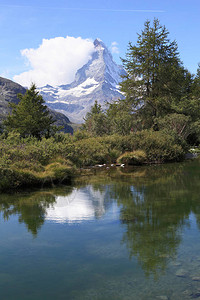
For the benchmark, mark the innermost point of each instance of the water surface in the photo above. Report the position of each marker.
(117, 234)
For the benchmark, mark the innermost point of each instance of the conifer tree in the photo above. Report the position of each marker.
(95, 121)
(30, 117)
(154, 72)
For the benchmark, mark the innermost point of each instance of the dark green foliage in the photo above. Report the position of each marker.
(120, 118)
(159, 146)
(137, 157)
(30, 116)
(177, 124)
(81, 134)
(96, 121)
(154, 71)
(31, 162)
(13, 178)
(89, 152)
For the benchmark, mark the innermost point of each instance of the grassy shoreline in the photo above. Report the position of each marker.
(30, 162)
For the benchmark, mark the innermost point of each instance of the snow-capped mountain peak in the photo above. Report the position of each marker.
(96, 80)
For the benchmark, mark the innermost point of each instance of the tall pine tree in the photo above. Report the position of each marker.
(154, 73)
(95, 121)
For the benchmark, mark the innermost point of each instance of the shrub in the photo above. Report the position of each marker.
(28, 165)
(81, 134)
(29, 161)
(159, 146)
(179, 124)
(12, 179)
(58, 172)
(5, 160)
(136, 157)
(118, 142)
(88, 152)
(113, 154)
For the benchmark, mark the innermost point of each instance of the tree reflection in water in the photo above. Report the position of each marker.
(154, 212)
(154, 202)
(30, 208)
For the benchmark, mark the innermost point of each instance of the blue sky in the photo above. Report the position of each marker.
(25, 23)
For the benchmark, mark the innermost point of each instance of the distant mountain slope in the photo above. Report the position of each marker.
(8, 93)
(96, 80)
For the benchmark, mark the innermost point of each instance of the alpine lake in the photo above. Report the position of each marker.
(115, 234)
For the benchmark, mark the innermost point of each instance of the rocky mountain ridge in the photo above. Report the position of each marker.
(97, 80)
(8, 94)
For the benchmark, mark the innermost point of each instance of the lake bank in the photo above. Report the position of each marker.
(30, 162)
(59, 175)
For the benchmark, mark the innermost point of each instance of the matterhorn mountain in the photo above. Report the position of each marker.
(97, 80)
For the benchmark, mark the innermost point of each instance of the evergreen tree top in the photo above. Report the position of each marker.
(30, 117)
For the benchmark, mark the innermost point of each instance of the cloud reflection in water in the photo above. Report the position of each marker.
(81, 205)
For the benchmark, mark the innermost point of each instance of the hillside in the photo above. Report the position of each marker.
(8, 94)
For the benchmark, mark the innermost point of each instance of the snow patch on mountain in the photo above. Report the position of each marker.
(87, 87)
(97, 80)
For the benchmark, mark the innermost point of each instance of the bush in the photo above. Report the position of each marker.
(137, 157)
(178, 124)
(81, 134)
(12, 178)
(27, 161)
(159, 146)
(58, 172)
(28, 165)
(88, 152)
(118, 142)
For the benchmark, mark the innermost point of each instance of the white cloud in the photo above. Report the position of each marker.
(55, 61)
(114, 48)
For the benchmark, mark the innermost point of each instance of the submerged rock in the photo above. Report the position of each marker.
(176, 264)
(195, 295)
(196, 278)
(187, 292)
(181, 273)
